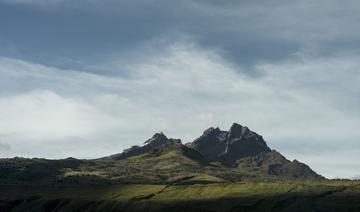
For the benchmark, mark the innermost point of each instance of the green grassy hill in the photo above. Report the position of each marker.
(171, 166)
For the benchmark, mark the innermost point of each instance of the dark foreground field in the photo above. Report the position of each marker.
(282, 196)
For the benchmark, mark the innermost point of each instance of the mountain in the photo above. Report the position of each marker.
(240, 147)
(159, 140)
(238, 154)
(229, 146)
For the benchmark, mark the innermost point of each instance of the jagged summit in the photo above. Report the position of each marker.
(156, 141)
(157, 136)
(160, 139)
(229, 146)
(238, 131)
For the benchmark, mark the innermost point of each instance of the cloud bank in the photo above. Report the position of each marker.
(71, 33)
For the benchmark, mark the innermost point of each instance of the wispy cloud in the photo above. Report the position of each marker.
(44, 115)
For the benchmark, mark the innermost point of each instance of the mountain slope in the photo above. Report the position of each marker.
(217, 156)
(242, 148)
(273, 163)
(158, 140)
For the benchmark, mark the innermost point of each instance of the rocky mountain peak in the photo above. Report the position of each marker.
(235, 127)
(239, 147)
(229, 146)
(160, 139)
(238, 131)
(159, 135)
(157, 140)
(212, 131)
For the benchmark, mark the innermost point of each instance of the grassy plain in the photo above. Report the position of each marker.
(270, 196)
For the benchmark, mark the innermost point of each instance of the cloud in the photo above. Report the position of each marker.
(44, 115)
(35, 2)
(356, 177)
(304, 106)
(247, 32)
(4, 147)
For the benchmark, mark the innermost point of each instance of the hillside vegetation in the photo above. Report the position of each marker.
(275, 196)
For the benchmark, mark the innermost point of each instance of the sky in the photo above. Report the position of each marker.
(89, 78)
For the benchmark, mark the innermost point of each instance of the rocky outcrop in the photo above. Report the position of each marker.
(229, 146)
(273, 163)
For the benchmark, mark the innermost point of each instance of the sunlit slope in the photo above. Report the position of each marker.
(170, 164)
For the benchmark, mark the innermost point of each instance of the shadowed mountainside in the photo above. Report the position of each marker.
(229, 146)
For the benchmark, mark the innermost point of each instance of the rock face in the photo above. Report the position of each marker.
(229, 146)
(158, 140)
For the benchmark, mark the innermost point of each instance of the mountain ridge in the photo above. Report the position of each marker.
(236, 155)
